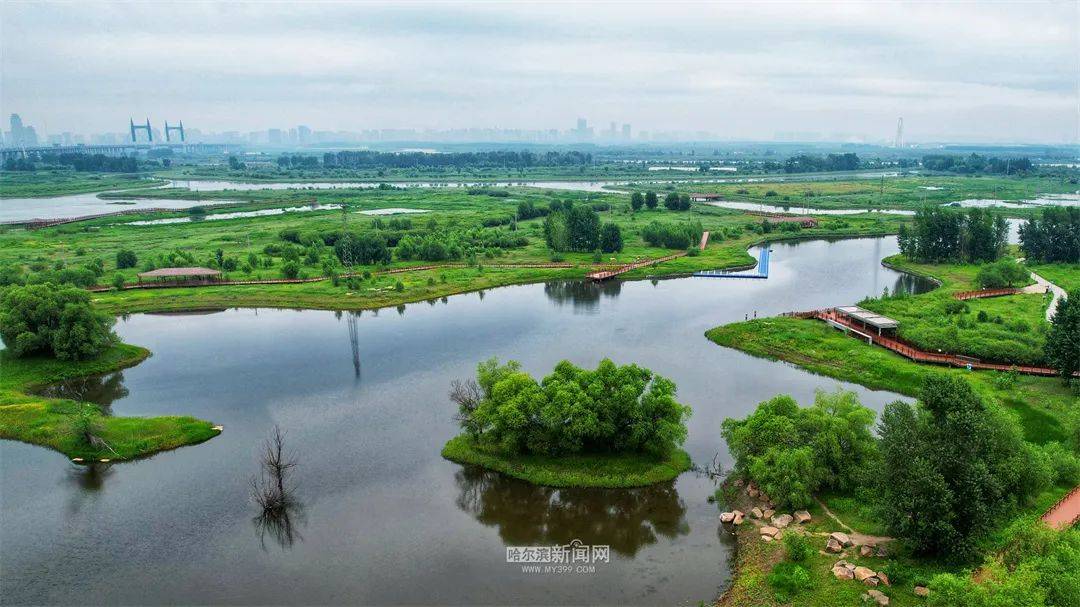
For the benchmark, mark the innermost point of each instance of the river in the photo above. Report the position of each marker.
(385, 519)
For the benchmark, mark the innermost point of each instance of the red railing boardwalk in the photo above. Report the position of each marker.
(1066, 512)
(922, 356)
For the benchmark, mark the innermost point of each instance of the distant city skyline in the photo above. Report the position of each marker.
(1001, 72)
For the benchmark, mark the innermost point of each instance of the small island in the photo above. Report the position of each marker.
(53, 334)
(616, 426)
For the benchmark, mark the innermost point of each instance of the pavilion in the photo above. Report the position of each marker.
(867, 319)
(181, 275)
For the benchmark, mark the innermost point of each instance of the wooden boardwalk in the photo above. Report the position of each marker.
(981, 293)
(612, 272)
(922, 356)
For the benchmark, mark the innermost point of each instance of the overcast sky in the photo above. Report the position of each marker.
(957, 71)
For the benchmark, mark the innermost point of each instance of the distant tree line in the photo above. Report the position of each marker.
(1053, 237)
(366, 159)
(941, 235)
(297, 161)
(805, 163)
(974, 163)
(98, 163)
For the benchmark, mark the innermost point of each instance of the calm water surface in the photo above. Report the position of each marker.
(385, 520)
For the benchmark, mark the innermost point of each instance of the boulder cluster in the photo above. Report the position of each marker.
(764, 514)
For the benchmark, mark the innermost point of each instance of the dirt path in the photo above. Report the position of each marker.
(858, 538)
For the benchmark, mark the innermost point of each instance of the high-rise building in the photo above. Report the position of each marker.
(303, 134)
(626, 131)
(273, 136)
(21, 135)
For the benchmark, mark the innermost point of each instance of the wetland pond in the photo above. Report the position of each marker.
(384, 519)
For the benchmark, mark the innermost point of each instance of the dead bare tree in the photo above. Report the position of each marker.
(275, 494)
(468, 395)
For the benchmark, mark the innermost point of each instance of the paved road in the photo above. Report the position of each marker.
(1066, 512)
(1040, 286)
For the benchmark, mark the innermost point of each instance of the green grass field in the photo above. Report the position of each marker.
(1013, 329)
(38, 184)
(594, 470)
(50, 422)
(78, 244)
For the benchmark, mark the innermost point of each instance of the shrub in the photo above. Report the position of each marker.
(399, 286)
(1001, 274)
(118, 282)
(788, 580)
(798, 547)
(125, 259)
(290, 269)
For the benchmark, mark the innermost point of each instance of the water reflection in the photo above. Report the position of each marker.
(531, 515)
(281, 514)
(90, 477)
(98, 389)
(583, 295)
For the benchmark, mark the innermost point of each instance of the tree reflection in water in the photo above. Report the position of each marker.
(98, 389)
(531, 515)
(581, 294)
(281, 513)
(91, 477)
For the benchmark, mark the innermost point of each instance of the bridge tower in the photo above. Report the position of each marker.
(899, 143)
(146, 127)
(169, 129)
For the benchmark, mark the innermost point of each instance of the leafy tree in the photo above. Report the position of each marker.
(364, 249)
(792, 452)
(125, 259)
(951, 466)
(1052, 237)
(610, 238)
(572, 228)
(651, 200)
(637, 200)
(1063, 340)
(573, 410)
(61, 322)
(671, 201)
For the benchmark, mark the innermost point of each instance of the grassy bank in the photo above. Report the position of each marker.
(1009, 329)
(613, 471)
(52, 422)
(1042, 403)
(39, 184)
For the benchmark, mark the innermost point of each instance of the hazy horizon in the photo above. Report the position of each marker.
(980, 73)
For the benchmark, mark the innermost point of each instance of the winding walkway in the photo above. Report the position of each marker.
(1041, 286)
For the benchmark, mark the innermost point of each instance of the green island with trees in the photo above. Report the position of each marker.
(616, 426)
(54, 334)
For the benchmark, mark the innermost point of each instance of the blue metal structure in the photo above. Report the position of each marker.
(762, 270)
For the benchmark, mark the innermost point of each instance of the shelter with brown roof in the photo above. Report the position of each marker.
(181, 275)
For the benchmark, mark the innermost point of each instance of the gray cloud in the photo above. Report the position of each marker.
(993, 71)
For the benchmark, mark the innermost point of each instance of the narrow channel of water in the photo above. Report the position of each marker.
(385, 519)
